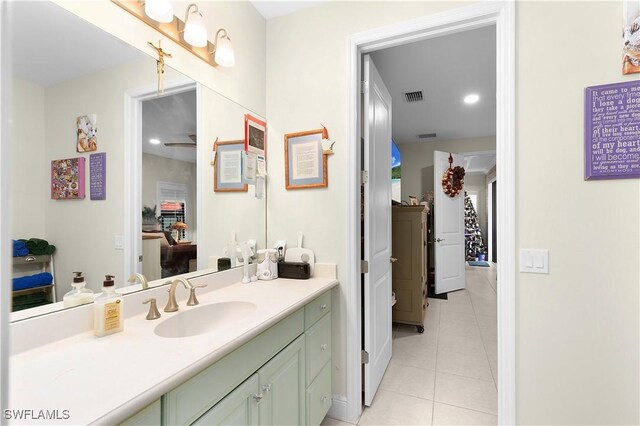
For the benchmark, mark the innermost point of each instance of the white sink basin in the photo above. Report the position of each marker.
(203, 319)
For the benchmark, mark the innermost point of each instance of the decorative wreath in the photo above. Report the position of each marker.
(453, 179)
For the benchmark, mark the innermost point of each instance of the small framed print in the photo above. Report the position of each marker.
(255, 135)
(67, 179)
(227, 173)
(305, 164)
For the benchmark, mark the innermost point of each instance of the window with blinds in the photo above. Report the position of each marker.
(172, 198)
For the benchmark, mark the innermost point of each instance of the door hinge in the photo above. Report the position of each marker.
(364, 176)
(140, 258)
(364, 267)
(363, 86)
(364, 357)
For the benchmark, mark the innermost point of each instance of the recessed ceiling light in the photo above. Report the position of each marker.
(471, 99)
(154, 141)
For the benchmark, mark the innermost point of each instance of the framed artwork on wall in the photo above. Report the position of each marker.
(255, 135)
(87, 133)
(304, 162)
(67, 179)
(227, 167)
(631, 37)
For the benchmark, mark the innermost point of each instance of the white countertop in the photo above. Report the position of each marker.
(105, 380)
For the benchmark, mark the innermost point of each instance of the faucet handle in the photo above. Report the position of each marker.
(153, 309)
(192, 295)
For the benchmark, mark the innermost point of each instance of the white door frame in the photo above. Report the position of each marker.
(133, 99)
(502, 15)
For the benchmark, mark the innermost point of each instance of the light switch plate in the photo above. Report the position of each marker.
(534, 261)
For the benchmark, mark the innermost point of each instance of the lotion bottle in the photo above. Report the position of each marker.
(108, 317)
(79, 295)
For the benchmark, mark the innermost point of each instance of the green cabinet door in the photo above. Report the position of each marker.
(282, 384)
(239, 407)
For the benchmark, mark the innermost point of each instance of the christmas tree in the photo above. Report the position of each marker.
(473, 235)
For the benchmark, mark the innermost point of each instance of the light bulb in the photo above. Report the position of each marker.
(224, 53)
(471, 98)
(195, 32)
(159, 10)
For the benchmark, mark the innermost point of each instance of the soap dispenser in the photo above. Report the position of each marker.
(108, 314)
(79, 295)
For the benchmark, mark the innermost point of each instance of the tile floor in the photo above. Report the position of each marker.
(448, 375)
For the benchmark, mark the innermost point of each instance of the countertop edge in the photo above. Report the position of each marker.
(141, 401)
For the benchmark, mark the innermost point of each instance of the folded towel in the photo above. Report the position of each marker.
(36, 244)
(19, 248)
(43, 250)
(20, 252)
(31, 281)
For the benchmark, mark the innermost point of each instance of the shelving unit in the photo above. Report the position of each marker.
(31, 264)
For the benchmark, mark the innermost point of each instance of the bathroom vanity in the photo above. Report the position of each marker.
(266, 360)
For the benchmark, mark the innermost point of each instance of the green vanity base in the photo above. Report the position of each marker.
(281, 377)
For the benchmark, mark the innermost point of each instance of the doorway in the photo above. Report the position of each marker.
(133, 167)
(501, 15)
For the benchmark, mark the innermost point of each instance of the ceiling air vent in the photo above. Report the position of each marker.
(413, 96)
(426, 136)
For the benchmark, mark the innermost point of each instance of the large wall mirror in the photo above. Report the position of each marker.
(80, 94)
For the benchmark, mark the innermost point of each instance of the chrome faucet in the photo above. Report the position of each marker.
(139, 277)
(172, 304)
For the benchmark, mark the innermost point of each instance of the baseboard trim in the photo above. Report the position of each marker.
(338, 408)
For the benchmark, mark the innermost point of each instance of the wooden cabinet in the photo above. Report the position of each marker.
(280, 377)
(240, 407)
(282, 387)
(409, 272)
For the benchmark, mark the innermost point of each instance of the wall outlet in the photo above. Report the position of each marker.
(118, 242)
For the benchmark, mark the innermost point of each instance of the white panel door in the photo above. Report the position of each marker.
(449, 229)
(377, 250)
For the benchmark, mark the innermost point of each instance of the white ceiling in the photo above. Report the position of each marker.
(170, 119)
(480, 162)
(273, 9)
(446, 69)
(51, 45)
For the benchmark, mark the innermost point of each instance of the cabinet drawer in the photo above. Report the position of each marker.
(318, 347)
(319, 396)
(315, 310)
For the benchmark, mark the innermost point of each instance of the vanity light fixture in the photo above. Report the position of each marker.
(195, 32)
(222, 50)
(191, 34)
(471, 99)
(159, 10)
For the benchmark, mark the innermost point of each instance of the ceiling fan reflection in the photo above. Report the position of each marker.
(193, 144)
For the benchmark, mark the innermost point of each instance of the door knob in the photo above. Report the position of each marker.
(439, 240)
(393, 259)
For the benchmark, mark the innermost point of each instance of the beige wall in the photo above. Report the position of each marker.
(578, 327)
(242, 212)
(30, 175)
(83, 230)
(244, 83)
(578, 331)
